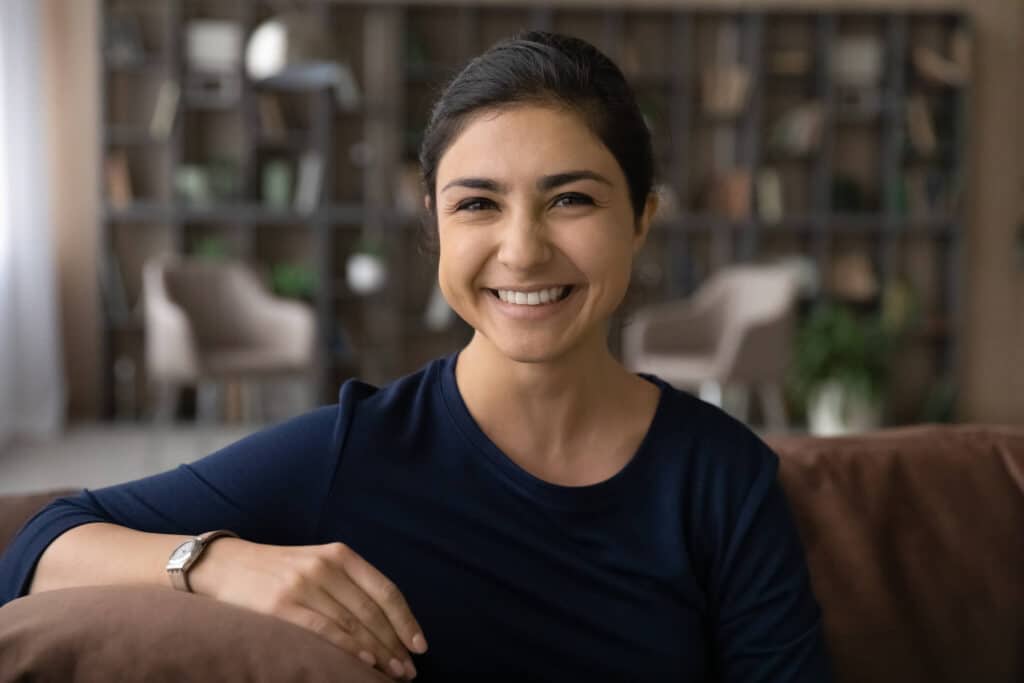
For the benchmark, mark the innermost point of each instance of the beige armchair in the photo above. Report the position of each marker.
(732, 336)
(210, 323)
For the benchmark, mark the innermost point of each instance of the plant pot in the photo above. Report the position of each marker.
(834, 410)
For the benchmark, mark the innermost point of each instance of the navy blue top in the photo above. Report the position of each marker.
(684, 566)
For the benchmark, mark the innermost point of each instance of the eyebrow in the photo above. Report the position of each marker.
(544, 184)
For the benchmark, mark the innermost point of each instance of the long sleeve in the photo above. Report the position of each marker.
(268, 487)
(768, 623)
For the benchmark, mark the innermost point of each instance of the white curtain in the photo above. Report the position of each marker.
(31, 376)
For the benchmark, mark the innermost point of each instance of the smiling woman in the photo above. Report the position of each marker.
(529, 506)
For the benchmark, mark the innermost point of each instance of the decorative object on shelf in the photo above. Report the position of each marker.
(293, 51)
(769, 195)
(798, 130)
(225, 179)
(214, 181)
(790, 62)
(309, 184)
(365, 270)
(920, 126)
(192, 184)
(119, 180)
(276, 184)
(724, 90)
(213, 45)
(165, 109)
(212, 53)
(843, 361)
(953, 71)
(852, 277)
(730, 194)
(293, 281)
(857, 63)
(212, 248)
(124, 45)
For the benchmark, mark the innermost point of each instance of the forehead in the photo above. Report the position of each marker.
(526, 140)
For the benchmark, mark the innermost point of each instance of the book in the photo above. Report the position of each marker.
(119, 180)
(307, 190)
(165, 110)
(920, 126)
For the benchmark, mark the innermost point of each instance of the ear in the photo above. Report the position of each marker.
(643, 223)
(426, 202)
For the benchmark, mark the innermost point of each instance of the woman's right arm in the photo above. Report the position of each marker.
(327, 589)
(269, 488)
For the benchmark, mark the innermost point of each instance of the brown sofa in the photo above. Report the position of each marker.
(914, 537)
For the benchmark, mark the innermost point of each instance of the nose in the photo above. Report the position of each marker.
(524, 243)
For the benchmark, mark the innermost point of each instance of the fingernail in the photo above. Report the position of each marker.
(368, 657)
(396, 667)
(419, 643)
(410, 669)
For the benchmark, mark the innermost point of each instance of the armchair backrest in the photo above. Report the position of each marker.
(217, 298)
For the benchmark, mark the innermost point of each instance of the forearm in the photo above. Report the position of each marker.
(104, 554)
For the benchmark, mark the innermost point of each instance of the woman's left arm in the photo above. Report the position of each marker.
(768, 624)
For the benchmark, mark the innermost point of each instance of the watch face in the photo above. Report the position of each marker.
(181, 554)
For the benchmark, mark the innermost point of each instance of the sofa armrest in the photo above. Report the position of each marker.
(16, 509)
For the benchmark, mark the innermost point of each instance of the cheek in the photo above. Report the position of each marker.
(459, 261)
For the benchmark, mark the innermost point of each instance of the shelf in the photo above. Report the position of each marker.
(667, 57)
(236, 213)
(872, 224)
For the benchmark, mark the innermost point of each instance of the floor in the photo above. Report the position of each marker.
(98, 455)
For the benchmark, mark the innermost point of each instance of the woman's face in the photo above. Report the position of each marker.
(536, 231)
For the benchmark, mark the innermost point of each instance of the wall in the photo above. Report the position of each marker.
(993, 351)
(70, 71)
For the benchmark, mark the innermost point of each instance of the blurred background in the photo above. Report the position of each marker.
(210, 212)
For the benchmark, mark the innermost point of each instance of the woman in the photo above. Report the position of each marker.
(535, 510)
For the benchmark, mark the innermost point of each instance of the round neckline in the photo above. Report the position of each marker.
(599, 494)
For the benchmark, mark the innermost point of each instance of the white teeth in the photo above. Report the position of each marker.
(543, 296)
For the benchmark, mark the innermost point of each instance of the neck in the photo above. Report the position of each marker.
(551, 408)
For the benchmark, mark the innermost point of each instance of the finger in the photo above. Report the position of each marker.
(327, 629)
(353, 598)
(386, 595)
(320, 600)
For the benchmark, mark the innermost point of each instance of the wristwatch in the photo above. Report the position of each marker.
(187, 554)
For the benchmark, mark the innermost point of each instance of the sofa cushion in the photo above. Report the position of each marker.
(915, 543)
(135, 633)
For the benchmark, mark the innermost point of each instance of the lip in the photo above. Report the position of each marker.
(538, 312)
(529, 288)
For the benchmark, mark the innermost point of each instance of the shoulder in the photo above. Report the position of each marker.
(715, 444)
(404, 401)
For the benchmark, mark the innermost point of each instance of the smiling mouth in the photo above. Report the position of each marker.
(535, 298)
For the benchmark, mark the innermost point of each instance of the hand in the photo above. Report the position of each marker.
(328, 589)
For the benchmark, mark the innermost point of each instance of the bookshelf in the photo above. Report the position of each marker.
(782, 151)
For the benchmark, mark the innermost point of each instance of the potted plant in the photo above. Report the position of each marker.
(843, 361)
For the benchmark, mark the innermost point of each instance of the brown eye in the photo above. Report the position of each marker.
(573, 199)
(474, 205)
